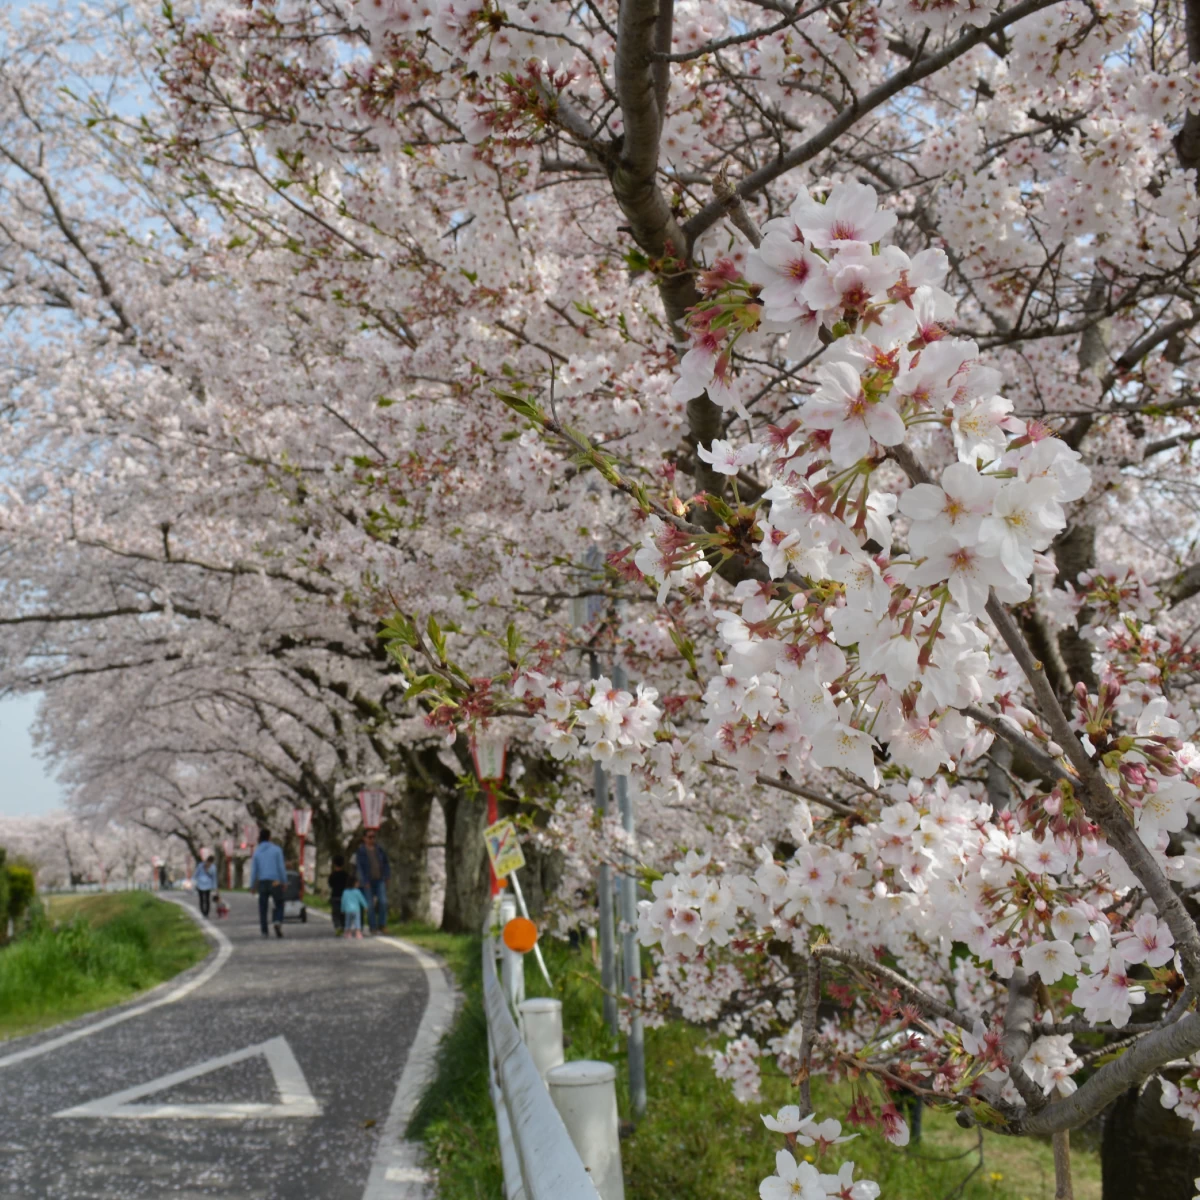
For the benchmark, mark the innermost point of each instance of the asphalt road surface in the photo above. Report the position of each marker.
(274, 1071)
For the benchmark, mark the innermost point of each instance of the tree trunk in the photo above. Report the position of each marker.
(467, 889)
(328, 839)
(541, 877)
(1148, 1153)
(405, 837)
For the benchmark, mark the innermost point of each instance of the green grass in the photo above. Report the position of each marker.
(696, 1140)
(90, 952)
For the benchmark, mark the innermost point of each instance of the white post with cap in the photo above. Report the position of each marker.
(542, 1028)
(512, 964)
(585, 1094)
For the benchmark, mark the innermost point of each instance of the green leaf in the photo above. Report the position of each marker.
(437, 637)
(525, 408)
(422, 683)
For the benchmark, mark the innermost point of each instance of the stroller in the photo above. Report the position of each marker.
(293, 905)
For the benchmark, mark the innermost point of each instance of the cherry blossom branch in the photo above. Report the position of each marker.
(796, 789)
(1048, 766)
(857, 109)
(929, 1004)
(1098, 801)
(1018, 1035)
(808, 1032)
(739, 39)
(1137, 1064)
(736, 206)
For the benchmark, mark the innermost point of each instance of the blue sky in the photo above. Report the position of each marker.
(26, 788)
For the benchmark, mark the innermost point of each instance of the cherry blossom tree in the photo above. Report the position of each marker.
(859, 338)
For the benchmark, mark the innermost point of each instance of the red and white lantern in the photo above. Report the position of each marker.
(371, 804)
(249, 836)
(302, 820)
(489, 749)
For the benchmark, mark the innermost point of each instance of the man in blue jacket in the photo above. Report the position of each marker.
(268, 875)
(374, 871)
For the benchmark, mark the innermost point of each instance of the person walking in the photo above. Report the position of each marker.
(353, 904)
(205, 883)
(374, 871)
(338, 879)
(268, 875)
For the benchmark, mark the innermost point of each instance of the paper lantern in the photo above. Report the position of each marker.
(302, 820)
(488, 749)
(372, 804)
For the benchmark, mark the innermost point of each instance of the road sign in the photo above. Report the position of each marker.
(295, 1096)
(503, 848)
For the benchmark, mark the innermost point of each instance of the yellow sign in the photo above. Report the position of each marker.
(503, 848)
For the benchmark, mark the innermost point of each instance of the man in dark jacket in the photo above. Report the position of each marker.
(374, 871)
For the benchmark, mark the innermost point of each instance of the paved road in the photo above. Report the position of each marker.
(140, 1108)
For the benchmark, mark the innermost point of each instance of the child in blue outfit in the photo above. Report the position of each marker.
(354, 904)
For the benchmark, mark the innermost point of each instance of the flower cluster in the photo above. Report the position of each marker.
(799, 1176)
(615, 727)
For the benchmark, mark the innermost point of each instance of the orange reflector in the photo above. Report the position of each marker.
(520, 934)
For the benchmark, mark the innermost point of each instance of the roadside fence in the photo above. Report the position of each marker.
(557, 1121)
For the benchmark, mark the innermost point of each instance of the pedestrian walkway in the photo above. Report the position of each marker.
(276, 1078)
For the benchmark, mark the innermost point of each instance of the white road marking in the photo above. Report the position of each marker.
(224, 950)
(295, 1097)
(396, 1171)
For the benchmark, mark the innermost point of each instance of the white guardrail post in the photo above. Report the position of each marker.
(565, 1148)
(542, 1025)
(512, 964)
(585, 1094)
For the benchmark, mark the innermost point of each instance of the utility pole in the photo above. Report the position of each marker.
(636, 1048)
(604, 896)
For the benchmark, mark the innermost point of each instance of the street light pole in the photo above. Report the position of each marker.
(636, 1048)
(604, 897)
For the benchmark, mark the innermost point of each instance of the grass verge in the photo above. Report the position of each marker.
(696, 1140)
(90, 952)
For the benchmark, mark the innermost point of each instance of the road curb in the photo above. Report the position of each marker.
(167, 992)
(397, 1170)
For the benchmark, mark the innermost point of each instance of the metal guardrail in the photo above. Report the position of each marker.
(539, 1159)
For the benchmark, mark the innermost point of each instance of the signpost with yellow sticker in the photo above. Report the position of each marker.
(503, 848)
(507, 858)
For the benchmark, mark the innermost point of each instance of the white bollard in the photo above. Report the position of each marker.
(585, 1094)
(542, 1028)
(512, 964)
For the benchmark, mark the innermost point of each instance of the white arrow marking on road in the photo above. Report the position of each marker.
(295, 1097)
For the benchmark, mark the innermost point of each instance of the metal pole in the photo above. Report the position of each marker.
(604, 896)
(636, 1048)
(493, 815)
(537, 950)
